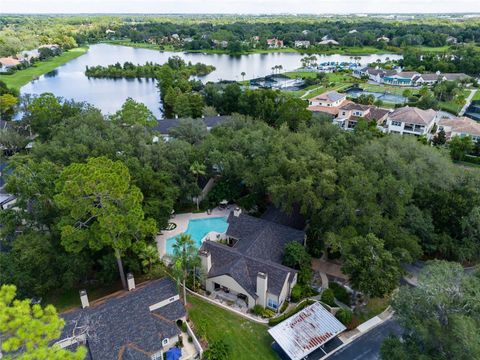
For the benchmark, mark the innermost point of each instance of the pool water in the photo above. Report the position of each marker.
(198, 228)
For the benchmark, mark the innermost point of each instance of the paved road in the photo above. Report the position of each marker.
(367, 346)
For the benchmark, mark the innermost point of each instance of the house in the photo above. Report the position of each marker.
(402, 78)
(375, 74)
(328, 102)
(462, 127)
(28, 55)
(383, 38)
(53, 47)
(305, 32)
(8, 63)
(222, 44)
(249, 269)
(302, 335)
(136, 324)
(354, 31)
(350, 113)
(411, 121)
(328, 42)
(164, 126)
(302, 43)
(455, 76)
(429, 78)
(450, 40)
(274, 43)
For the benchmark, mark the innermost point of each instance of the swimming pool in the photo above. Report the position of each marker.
(198, 228)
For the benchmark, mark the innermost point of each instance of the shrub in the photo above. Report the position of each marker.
(184, 327)
(345, 316)
(340, 293)
(328, 297)
(190, 339)
(267, 313)
(284, 306)
(258, 310)
(282, 317)
(296, 294)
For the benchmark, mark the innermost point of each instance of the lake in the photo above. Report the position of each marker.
(69, 80)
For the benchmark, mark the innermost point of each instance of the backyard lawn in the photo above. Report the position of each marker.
(476, 97)
(22, 77)
(246, 339)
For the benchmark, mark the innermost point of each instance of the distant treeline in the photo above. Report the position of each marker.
(148, 70)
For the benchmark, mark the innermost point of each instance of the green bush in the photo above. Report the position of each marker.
(184, 327)
(258, 310)
(328, 297)
(284, 306)
(297, 293)
(340, 293)
(267, 313)
(345, 316)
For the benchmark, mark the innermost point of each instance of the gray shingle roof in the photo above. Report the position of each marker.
(259, 248)
(294, 219)
(123, 324)
(164, 125)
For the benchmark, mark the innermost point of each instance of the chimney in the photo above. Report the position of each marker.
(84, 299)
(237, 211)
(130, 282)
(206, 258)
(262, 286)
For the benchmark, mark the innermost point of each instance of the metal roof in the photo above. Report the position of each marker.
(306, 331)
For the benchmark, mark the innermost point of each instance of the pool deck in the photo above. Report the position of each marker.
(181, 220)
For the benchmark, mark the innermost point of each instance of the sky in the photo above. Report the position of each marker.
(238, 6)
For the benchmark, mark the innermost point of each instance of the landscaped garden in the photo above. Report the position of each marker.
(243, 337)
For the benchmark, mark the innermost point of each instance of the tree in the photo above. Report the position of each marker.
(101, 208)
(7, 106)
(149, 256)
(295, 255)
(134, 113)
(440, 138)
(190, 130)
(460, 146)
(28, 330)
(243, 73)
(439, 315)
(197, 170)
(185, 258)
(372, 269)
(45, 112)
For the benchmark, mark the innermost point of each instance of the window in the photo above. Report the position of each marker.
(165, 342)
(396, 123)
(272, 304)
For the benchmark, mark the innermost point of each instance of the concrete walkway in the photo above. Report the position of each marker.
(468, 101)
(181, 220)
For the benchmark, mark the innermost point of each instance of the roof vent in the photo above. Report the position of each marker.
(130, 282)
(84, 299)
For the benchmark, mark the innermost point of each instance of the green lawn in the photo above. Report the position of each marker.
(246, 339)
(374, 307)
(22, 77)
(476, 97)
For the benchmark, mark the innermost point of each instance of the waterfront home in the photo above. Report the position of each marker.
(28, 55)
(164, 126)
(328, 42)
(274, 43)
(329, 102)
(383, 38)
(220, 44)
(350, 114)
(136, 324)
(374, 74)
(302, 43)
(462, 127)
(411, 121)
(247, 268)
(451, 40)
(402, 78)
(8, 63)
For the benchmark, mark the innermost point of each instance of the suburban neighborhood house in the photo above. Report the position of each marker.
(462, 127)
(302, 43)
(136, 324)
(302, 335)
(351, 113)
(411, 121)
(274, 43)
(8, 63)
(249, 269)
(406, 78)
(164, 126)
(328, 102)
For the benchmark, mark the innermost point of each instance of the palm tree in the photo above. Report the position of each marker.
(243, 75)
(197, 169)
(149, 256)
(185, 257)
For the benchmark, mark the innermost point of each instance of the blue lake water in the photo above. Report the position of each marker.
(69, 80)
(199, 228)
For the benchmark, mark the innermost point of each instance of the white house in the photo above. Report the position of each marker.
(328, 102)
(411, 121)
(384, 39)
(302, 43)
(462, 127)
(349, 115)
(328, 42)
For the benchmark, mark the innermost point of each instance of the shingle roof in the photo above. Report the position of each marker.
(413, 115)
(164, 125)
(294, 219)
(122, 322)
(331, 96)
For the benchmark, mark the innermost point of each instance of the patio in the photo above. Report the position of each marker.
(230, 299)
(181, 220)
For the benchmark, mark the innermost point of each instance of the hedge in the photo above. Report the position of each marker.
(299, 307)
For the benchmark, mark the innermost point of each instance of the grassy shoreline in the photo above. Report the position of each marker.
(23, 77)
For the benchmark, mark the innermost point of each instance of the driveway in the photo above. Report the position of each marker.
(367, 346)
